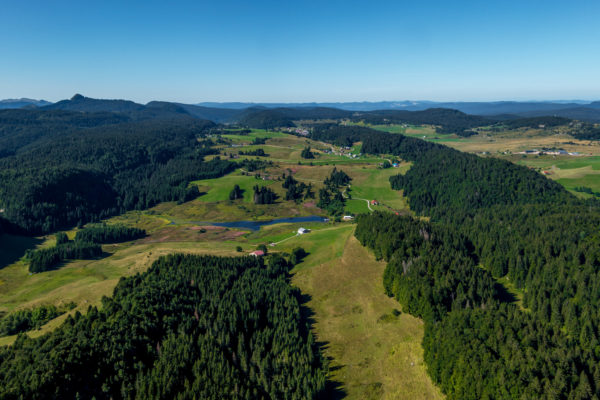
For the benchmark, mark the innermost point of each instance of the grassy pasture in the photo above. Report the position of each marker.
(373, 354)
(219, 189)
(372, 183)
(569, 171)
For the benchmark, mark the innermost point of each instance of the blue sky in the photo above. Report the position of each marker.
(283, 51)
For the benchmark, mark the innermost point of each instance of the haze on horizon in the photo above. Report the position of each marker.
(268, 51)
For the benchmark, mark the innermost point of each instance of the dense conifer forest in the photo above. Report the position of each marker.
(64, 168)
(189, 327)
(103, 233)
(491, 219)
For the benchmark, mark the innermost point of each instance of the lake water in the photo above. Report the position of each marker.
(255, 225)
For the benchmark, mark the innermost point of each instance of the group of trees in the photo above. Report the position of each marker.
(254, 165)
(256, 152)
(297, 255)
(46, 259)
(332, 201)
(586, 131)
(236, 193)
(297, 191)
(337, 179)
(490, 219)
(264, 195)
(104, 233)
(85, 246)
(189, 327)
(331, 198)
(28, 319)
(339, 135)
(306, 153)
(585, 189)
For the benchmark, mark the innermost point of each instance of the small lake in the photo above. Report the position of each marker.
(255, 225)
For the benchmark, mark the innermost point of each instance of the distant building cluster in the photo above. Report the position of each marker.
(550, 152)
(299, 131)
(343, 151)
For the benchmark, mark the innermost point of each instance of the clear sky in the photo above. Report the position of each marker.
(304, 50)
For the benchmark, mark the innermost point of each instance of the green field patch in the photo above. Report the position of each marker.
(218, 189)
(256, 133)
(285, 232)
(354, 206)
(590, 181)
(373, 184)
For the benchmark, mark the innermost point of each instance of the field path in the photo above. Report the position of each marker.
(373, 353)
(358, 198)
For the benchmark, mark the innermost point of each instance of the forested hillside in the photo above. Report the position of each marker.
(190, 327)
(493, 220)
(65, 168)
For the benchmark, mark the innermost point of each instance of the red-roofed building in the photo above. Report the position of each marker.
(257, 253)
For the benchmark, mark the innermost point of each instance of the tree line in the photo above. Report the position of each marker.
(85, 246)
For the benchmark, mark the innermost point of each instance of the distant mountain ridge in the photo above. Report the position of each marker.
(576, 109)
(21, 103)
(480, 107)
(87, 104)
(588, 111)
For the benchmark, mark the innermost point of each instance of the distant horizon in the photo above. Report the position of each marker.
(296, 52)
(534, 100)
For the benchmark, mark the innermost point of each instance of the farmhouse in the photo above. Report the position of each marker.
(347, 217)
(374, 202)
(257, 253)
(302, 231)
